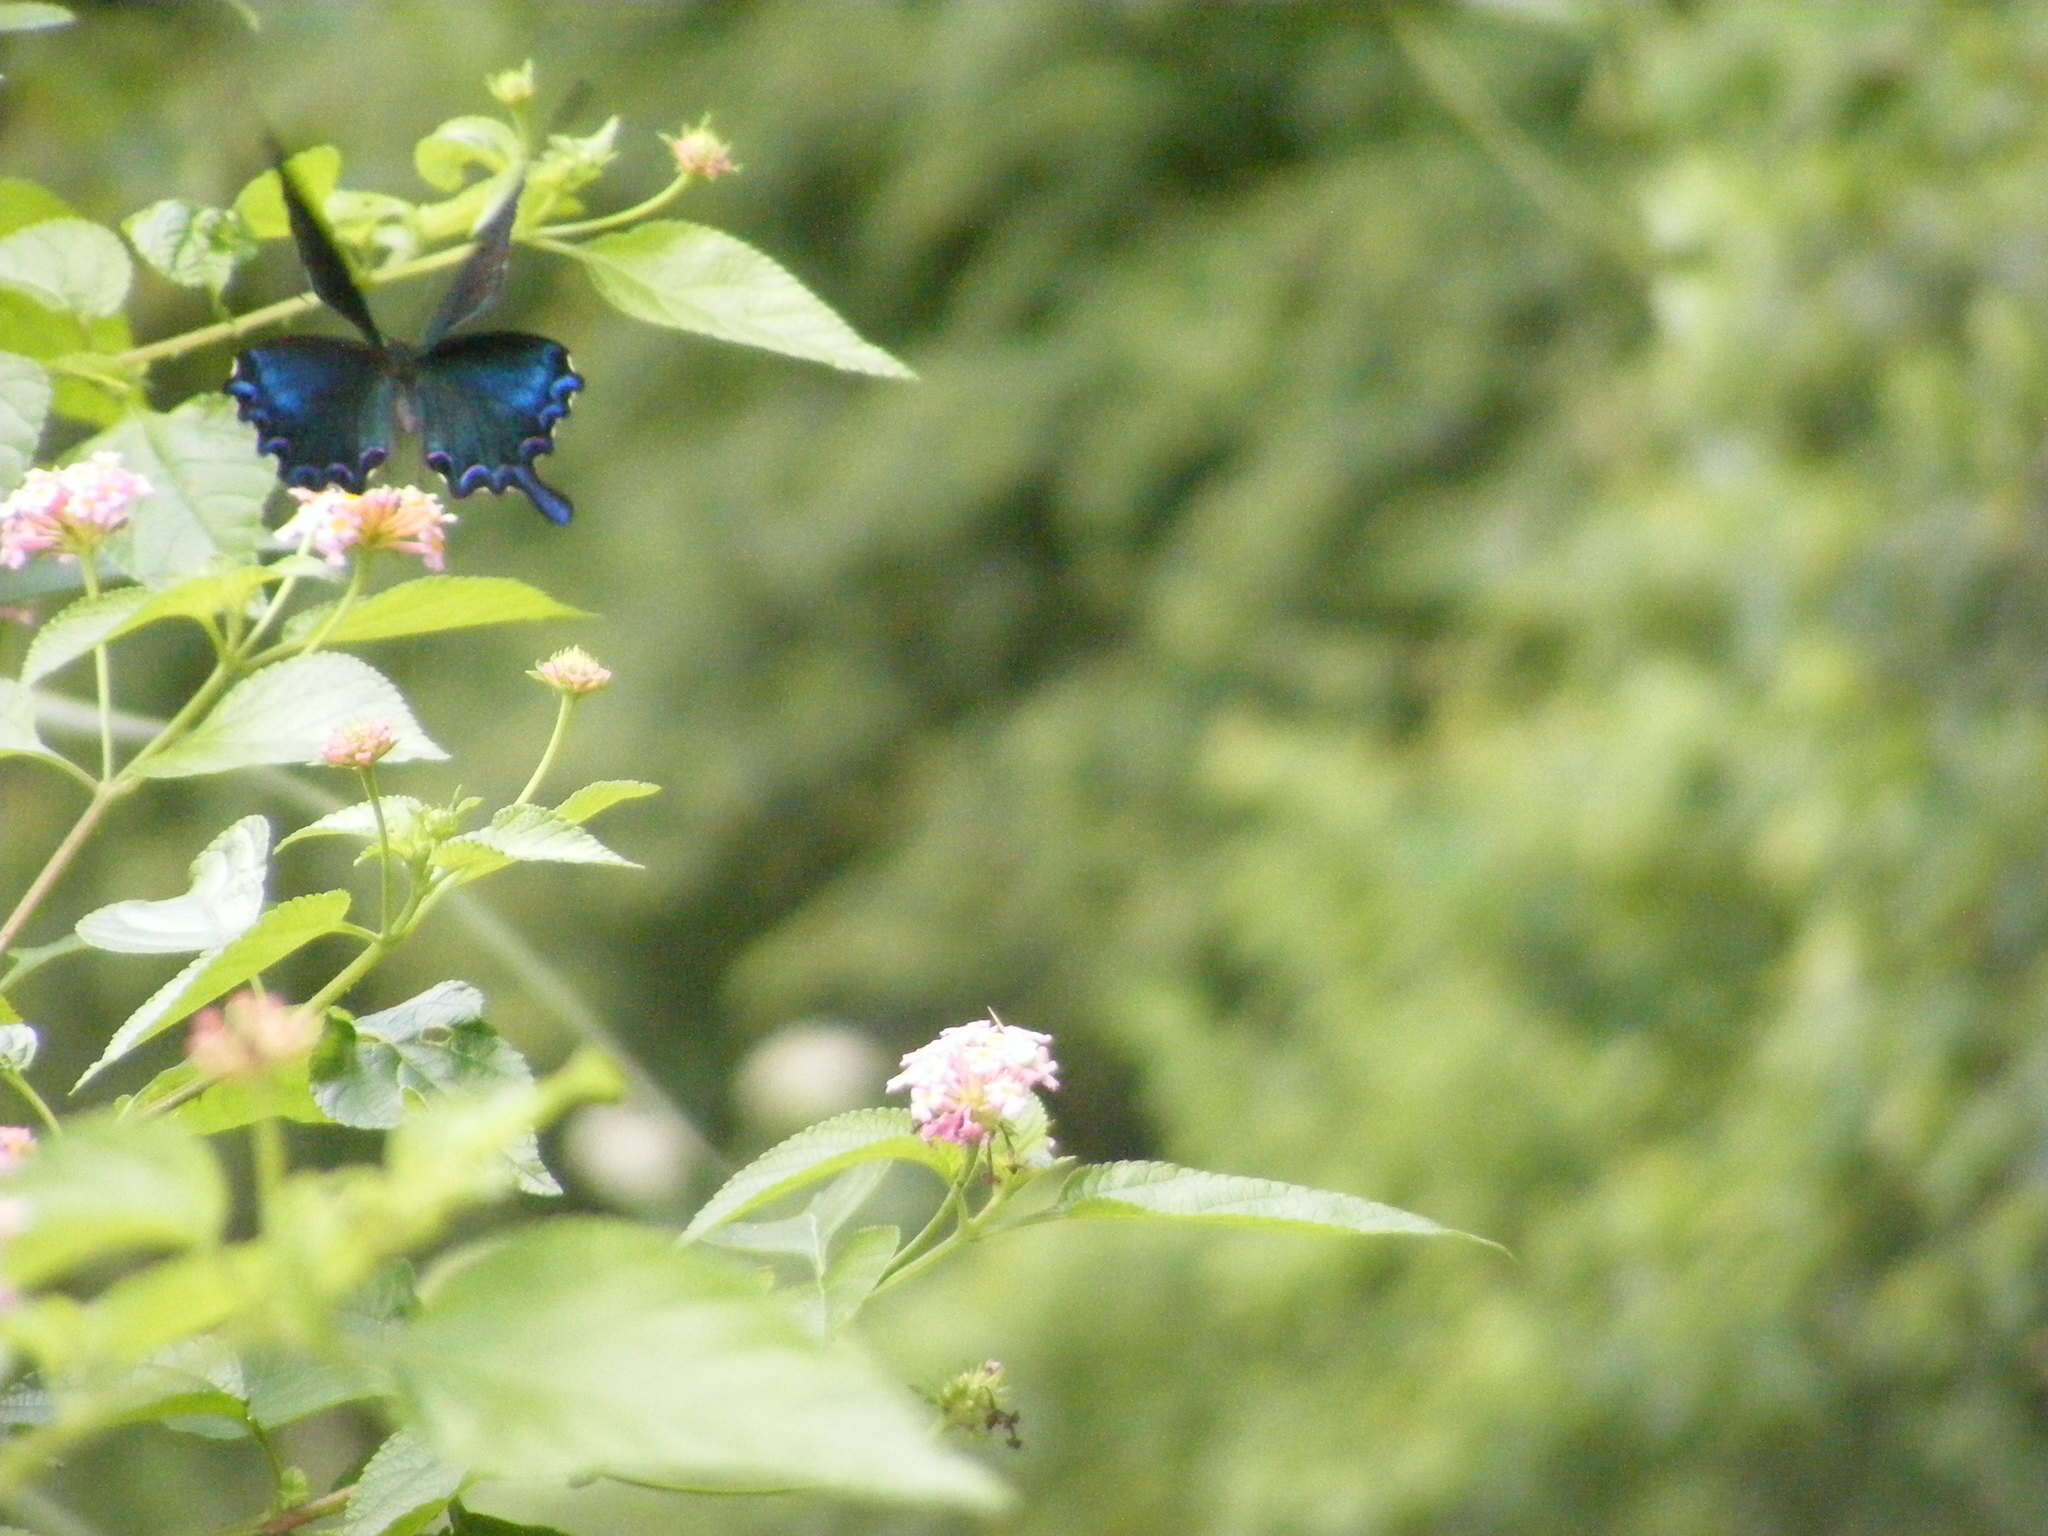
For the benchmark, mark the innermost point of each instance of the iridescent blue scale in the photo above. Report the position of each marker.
(484, 404)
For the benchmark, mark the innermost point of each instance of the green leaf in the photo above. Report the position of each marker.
(431, 604)
(36, 331)
(209, 483)
(808, 1234)
(288, 712)
(71, 265)
(427, 1047)
(853, 1274)
(466, 1522)
(593, 799)
(109, 1186)
(283, 1387)
(74, 630)
(25, 392)
(589, 1348)
(401, 817)
(403, 1486)
(283, 1093)
(287, 927)
(18, 722)
(692, 278)
(1145, 1190)
(260, 204)
(818, 1152)
(443, 158)
(24, 202)
(189, 243)
(32, 16)
(521, 834)
(224, 899)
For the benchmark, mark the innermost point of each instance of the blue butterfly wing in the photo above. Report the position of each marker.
(488, 404)
(322, 404)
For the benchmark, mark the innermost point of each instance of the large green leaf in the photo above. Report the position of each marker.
(24, 202)
(595, 798)
(586, 1348)
(72, 265)
(74, 630)
(283, 1093)
(210, 486)
(109, 1186)
(37, 331)
(1162, 1191)
(692, 278)
(189, 243)
(225, 897)
(818, 1152)
(403, 1486)
(428, 1046)
(288, 712)
(25, 392)
(431, 604)
(285, 928)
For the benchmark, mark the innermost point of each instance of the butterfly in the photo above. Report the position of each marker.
(484, 404)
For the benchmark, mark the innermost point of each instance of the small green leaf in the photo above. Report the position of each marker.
(401, 817)
(36, 331)
(33, 16)
(283, 1093)
(431, 604)
(403, 1486)
(225, 897)
(210, 485)
(818, 1152)
(581, 1348)
(853, 1274)
(286, 928)
(525, 834)
(25, 393)
(593, 799)
(71, 265)
(110, 1186)
(24, 202)
(261, 204)
(692, 278)
(288, 712)
(189, 243)
(1146, 1190)
(443, 158)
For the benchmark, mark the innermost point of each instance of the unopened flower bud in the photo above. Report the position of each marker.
(512, 87)
(977, 1402)
(361, 745)
(574, 672)
(16, 1143)
(252, 1032)
(702, 153)
(18, 1044)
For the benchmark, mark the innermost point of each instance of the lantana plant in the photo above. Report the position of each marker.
(135, 1287)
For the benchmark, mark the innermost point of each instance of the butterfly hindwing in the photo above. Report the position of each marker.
(488, 404)
(322, 404)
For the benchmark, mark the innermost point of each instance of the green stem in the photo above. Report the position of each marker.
(89, 573)
(103, 796)
(554, 746)
(369, 777)
(349, 594)
(349, 975)
(18, 1081)
(28, 962)
(268, 1159)
(555, 234)
(297, 1516)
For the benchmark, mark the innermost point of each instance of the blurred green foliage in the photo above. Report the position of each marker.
(1459, 612)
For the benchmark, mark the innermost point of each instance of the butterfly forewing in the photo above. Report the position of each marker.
(488, 405)
(482, 278)
(322, 404)
(325, 267)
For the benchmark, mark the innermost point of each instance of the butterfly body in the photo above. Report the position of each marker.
(484, 404)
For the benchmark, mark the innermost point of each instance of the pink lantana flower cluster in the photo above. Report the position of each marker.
(361, 745)
(402, 518)
(973, 1078)
(250, 1033)
(71, 511)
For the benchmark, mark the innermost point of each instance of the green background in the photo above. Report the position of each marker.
(1459, 612)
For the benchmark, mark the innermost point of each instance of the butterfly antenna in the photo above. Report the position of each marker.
(323, 261)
